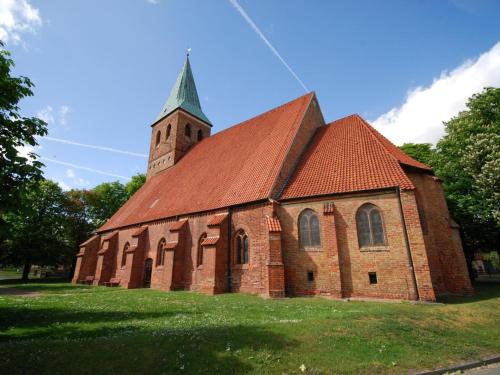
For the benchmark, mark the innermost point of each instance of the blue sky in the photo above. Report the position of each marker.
(103, 69)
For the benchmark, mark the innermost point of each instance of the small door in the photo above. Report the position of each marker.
(148, 266)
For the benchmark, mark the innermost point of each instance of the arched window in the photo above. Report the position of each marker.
(160, 254)
(158, 138)
(199, 256)
(124, 254)
(200, 135)
(187, 130)
(370, 226)
(167, 133)
(309, 229)
(241, 247)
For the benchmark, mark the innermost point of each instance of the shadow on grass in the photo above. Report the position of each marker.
(47, 280)
(482, 292)
(202, 350)
(60, 323)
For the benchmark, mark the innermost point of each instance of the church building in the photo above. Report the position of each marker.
(282, 204)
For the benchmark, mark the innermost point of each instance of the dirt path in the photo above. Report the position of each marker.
(17, 292)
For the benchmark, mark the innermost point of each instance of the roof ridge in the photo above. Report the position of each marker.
(300, 114)
(380, 140)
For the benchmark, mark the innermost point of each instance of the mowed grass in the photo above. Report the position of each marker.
(67, 329)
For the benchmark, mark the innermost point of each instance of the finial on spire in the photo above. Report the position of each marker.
(188, 51)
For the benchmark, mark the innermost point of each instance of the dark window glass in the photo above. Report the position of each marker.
(169, 130)
(370, 226)
(200, 135)
(309, 229)
(310, 276)
(124, 255)
(160, 254)
(372, 276)
(187, 130)
(158, 138)
(242, 254)
(200, 249)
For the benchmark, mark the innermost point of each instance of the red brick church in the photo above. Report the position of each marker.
(283, 204)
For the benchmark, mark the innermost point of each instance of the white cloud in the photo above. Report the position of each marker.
(63, 185)
(74, 180)
(63, 114)
(25, 152)
(70, 173)
(55, 117)
(17, 17)
(154, 2)
(46, 114)
(420, 118)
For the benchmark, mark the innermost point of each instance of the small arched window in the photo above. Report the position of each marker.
(200, 135)
(241, 247)
(199, 256)
(158, 138)
(187, 130)
(124, 254)
(370, 226)
(160, 254)
(309, 229)
(167, 133)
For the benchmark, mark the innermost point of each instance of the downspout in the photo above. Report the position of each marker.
(407, 245)
(229, 276)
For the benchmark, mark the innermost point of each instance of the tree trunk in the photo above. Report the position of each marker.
(26, 270)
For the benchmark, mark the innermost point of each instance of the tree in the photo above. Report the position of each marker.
(468, 160)
(104, 200)
(135, 184)
(16, 132)
(423, 152)
(39, 228)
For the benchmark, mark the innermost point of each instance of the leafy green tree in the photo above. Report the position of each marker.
(104, 200)
(16, 132)
(39, 228)
(423, 152)
(468, 160)
(135, 184)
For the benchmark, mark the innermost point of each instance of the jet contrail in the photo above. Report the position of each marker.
(84, 168)
(94, 147)
(263, 37)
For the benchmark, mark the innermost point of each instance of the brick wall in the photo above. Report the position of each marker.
(447, 263)
(171, 149)
(351, 271)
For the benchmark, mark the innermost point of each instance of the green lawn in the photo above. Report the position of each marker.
(80, 329)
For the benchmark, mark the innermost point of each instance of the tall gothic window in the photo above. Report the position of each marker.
(309, 229)
(199, 256)
(370, 226)
(124, 254)
(167, 133)
(200, 135)
(160, 253)
(187, 130)
(158, 138)
(241, 247)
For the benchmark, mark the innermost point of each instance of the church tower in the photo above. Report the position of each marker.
(180, 124)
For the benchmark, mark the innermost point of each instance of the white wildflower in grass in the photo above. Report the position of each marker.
(303, 368)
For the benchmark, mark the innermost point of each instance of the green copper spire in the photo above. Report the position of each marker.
(184, 95)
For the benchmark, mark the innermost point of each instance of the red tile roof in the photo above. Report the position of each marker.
(349, 155)
(210, 241)
(177, 225)
(139, 231)
(237, 165)
(273, 224)
(216, 220)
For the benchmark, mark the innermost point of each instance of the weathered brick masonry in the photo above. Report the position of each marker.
(281, 204)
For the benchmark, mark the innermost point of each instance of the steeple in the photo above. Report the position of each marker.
(184, 95)
(180, 124)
